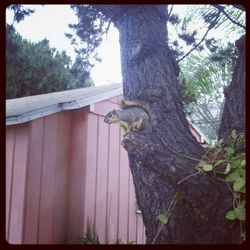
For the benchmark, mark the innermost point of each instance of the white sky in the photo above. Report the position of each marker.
(51, 22)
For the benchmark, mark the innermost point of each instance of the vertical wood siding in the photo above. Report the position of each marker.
(17, 142)
(36, 180)
(33, 181)
(47, 183)
(113, 184)
(77, 172)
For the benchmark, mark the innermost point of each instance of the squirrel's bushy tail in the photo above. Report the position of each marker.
(125, 104)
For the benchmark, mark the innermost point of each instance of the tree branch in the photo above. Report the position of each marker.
(171, 9)
(221, 8)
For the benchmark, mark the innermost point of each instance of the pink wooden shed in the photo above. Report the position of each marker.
(65, 166)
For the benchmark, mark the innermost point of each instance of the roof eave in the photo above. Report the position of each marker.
(69, 105)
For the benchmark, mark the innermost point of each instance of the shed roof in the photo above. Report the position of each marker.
(20, 110)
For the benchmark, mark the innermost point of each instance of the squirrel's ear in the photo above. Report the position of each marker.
(113, 111)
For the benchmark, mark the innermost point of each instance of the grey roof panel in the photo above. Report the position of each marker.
(28, 108)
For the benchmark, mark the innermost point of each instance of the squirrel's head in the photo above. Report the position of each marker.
(111, 116)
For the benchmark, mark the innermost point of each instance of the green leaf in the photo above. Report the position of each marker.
(163, 218)
(232, 177)
(207, 167)
(238, 184)
(201, 163)
(235, 162)
(228, 168)
(229, 151)
(243, 163)
(240, 213)
(233, 134)
(230, 215)
(240, 141)
(241, 172)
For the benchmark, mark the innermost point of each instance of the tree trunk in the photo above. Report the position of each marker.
(234, 113)
(161, 158)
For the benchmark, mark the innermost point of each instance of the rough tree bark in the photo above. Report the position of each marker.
(161, 158)
(234, 113)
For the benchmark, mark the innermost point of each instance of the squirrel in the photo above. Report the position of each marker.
(133, 116)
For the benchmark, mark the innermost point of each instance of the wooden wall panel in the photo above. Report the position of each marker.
(90, 169)
(61, 178)
(113, 177)
(33, 182)
(76, 172)
(101, 180)
(47, 182)
(123, 196)
(10, 149)
(102, 108)
(17, 196)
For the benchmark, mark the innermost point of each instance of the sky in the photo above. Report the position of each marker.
(51, 22)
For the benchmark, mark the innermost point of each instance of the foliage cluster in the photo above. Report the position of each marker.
(227, 162)
(35, 68)
(88, 33)
(20, 12)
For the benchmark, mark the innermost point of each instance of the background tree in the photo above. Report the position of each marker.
(35, 68)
